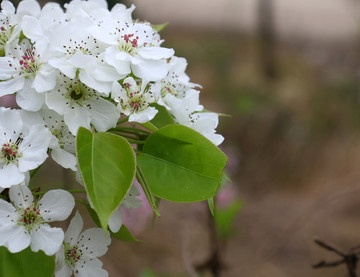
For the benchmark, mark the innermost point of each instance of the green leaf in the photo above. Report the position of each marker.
(162, 118)
(159, 27)
(147, 190)
(211, 205)
(225, 217)
(181, 165)
(26, 264)
(107, 167)
(124, 235)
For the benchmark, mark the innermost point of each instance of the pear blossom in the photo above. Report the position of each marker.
(22, 148)
(62, 144)
(80, 251)
(81, 106)
(135, 97)
(10, 20)
(188, 112)
(77, 53)
(133, 47)
(25, 70)
(177, 82)
(24, 221)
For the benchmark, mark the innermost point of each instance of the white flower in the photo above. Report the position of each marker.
(77, 53)
(21, 148)
(81, 106)
(177, 82)
(9, 21)
(133, 47)
(23, 222)
(25, 70)
(134, 99)
(79, 252)
(62, 144)
(188, 112)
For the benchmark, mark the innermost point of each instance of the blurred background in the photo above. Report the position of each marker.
(287, 72)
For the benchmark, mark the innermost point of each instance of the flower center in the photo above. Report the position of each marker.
(28, 63)
(77, 92)
(10, 152)
(128, 43)
(5, 34)
(72, 254)
(30, 217)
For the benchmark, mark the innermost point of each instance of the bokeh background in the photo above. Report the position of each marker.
(287, 72)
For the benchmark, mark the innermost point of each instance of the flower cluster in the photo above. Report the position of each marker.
(78, 66)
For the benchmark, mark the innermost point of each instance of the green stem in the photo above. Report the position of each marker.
(123, 120)
(125, 136)
(145, 187)
(150, 126)
(3, 197)
(136, 141)
(130, 130)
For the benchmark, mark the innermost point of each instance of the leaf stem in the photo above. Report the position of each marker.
(136, 141)
(150, 126)
(123, 120)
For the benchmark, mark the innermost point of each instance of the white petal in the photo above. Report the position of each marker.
(115, 221)
(64, 158)
(31, 7)
(74, 229)
(143, 116)
(61, 269)
(153, 70)
(80, 60)
(45, 79)
(100, 34)
(91, 268)
(90, 81)
(106, 73)
(11, 86)
(74, 118)
(119, 60)
(156, 53)
(21, 196)
(64, 66)
(104, 114)
(34, 148)
(55, 102)
(56, 205)
(46, 239)
(10, 175)
(6, 71)
(10, 121)
(29, 99)
(7, 213)
(14, 237)
(31, 27)
(93, 242)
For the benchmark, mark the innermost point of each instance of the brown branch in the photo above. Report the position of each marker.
(350, 259)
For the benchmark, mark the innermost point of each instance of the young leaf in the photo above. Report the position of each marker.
(26, 264)
(107, 168)
(159, 27)
(124, 235)
(181, 165)
(163, 117)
